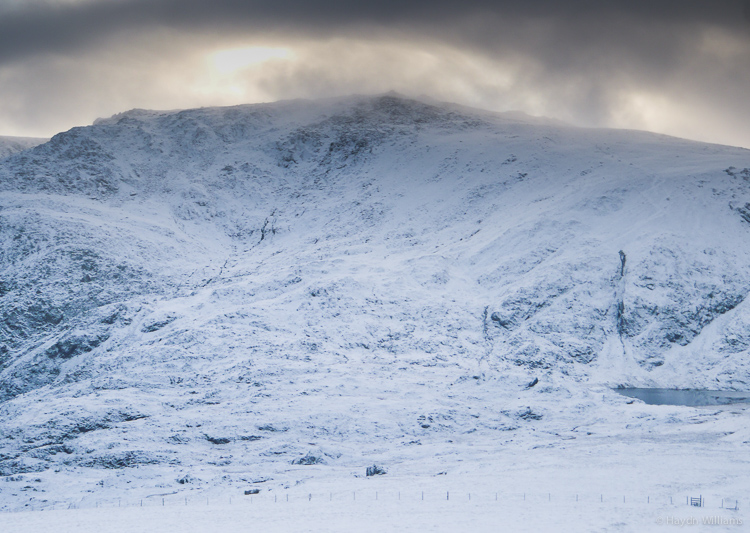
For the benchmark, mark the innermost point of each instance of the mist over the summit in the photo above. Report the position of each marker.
(681, 68)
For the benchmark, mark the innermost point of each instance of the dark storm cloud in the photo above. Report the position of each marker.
(42, 28)
(677, 66)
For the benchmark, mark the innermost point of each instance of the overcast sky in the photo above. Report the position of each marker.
(674, 66)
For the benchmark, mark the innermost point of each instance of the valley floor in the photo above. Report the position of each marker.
(637, 482)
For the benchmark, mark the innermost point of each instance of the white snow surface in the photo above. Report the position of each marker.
(192, 301)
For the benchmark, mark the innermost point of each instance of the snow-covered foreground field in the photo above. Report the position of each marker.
(382, 516)
(632, 496)
(637, 482)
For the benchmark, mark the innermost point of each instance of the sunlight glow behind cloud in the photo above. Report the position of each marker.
(233, 59)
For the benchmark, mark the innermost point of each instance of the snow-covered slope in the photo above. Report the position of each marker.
(219, 292)
(12, 145)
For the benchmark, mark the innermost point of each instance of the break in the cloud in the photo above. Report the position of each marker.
(675, 66)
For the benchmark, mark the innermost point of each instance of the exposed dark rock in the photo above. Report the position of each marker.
(739, 173)
(117, 314)
(309, 459)
(744, 212)
(47, 452)
(22, 466)
(126, 459)
(155, 326)
(87, 426)
(375, 470)
(528, 414)
(269, 427)
(218, 440)
(73, 345)
(500, 320)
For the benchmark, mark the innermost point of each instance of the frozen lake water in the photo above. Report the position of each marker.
(688, 397)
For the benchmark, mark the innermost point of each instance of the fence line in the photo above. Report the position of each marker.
(451, 497)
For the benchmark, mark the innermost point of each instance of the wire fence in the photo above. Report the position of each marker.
(252, 497)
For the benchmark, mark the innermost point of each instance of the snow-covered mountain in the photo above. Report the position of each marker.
(213, 294)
